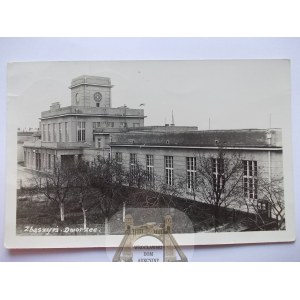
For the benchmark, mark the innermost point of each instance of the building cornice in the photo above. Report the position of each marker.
(92, 84)
(93, 115)
(199, 147)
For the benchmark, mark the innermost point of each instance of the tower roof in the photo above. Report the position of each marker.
(90, 80)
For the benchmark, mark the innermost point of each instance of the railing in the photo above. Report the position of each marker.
(80, 110)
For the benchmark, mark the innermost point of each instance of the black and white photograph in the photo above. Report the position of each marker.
(189, 152)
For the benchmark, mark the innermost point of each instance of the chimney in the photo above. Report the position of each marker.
(55, 106)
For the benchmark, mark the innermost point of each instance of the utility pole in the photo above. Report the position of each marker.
(125, 123)
(173, 124)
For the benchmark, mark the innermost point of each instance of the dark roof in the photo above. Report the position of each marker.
(251, 138)
(144, 129)
(25, 133)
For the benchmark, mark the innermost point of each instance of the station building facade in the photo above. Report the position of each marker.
(90, 128)
(69, 133)
(174, 155)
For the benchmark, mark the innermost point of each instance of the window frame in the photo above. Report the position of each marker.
(250, 187)
(132, 167)
(191, 173)
(49, 132)
(44, 133)
(81, 131)
(66, 132)
(119, 158)
(150, 168)
(218, 174)
(169, 170)
(60, 132)
(54, 131)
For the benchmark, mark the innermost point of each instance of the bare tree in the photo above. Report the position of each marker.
(82, 187)
(107, 180)
(269, 204)
(218, 180)
(137, 176)
(56, 185)
(272, 191)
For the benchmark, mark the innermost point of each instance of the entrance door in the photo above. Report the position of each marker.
(67, 161)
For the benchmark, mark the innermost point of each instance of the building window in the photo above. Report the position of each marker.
(44, 132)
(150, 168)
(191, 169)
(97, 104)
(49, 133)
(103, 124)
(25, 158)
(218, 174)
(49, 161)
(54, 132)
(60, 132)
(66, 132)
(119, 157)
(132, 166)
(98, 142)
(38, 161)
(169, 170)
(262, 205)
(250, 179)
(81, 131)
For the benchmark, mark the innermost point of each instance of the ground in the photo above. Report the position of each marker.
(35, 212)
(24, 176)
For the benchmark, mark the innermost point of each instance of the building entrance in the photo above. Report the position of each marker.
(67, 161)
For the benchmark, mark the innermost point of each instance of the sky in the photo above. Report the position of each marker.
(232, 94)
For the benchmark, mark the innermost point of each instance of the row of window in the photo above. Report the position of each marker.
(105, 124)
(39, 160)
(54, 132)
(249, 173)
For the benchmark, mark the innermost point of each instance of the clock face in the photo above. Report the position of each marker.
(97, 97)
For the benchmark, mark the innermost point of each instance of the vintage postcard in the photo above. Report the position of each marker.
(108, 153)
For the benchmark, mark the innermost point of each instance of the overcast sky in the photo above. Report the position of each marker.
(232, 93)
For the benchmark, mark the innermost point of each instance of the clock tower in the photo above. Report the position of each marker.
(91, 91)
